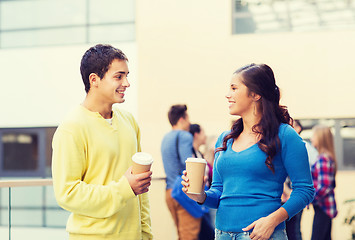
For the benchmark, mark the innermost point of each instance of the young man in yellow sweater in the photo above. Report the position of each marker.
(92, 150)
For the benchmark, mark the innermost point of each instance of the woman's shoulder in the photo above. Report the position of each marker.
(286, 130)
(325, 157)
(221, 137)
(289, 136)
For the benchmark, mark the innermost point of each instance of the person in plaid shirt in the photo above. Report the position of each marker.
(323, 174)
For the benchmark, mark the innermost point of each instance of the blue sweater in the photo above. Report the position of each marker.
(244, 189)
(172, 165)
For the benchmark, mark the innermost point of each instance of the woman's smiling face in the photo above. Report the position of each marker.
(239, 97)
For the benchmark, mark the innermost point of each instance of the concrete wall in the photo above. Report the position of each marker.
(40, 85)
(187, 54)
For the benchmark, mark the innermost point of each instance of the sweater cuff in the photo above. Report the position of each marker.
(124, 189)
(146, 236)
(209, 201)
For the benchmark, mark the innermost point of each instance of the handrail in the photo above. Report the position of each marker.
(26, 182)
(40, 182)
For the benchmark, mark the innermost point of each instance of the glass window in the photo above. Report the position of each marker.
(28, 23)
(43, 37)
(109, 11)
(251, 16)
(48, 150)
(26, 152)
(20, 151)
(42, 13)
(344, 138)
(111, 33)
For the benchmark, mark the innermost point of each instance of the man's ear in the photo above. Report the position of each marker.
(94, 79)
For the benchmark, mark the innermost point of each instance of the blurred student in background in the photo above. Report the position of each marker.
(323, 174)
(176, 147)
(293, 225)
(200, 139)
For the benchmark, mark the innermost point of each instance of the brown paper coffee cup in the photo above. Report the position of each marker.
(141, 162)
(195, 168)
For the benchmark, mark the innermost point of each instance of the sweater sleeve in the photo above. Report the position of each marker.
(73, 194)
(145, 216)
(215, 192)
(144, 201)
(295, 159)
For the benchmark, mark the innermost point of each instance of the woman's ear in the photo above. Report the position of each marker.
(256, 97)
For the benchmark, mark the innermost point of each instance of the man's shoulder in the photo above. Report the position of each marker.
(73, 122)
(118, 110)
(180, 134)
(184, 134)
(174, 135)
(75, 117)
(123, 113)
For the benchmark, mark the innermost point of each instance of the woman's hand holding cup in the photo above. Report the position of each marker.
(200, 198)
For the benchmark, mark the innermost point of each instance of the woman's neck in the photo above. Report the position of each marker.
(196, 146)
(249, 122)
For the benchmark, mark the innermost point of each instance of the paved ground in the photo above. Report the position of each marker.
(33, 233)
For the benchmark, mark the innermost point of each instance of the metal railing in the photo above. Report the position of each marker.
(21, 183)
(47, 204)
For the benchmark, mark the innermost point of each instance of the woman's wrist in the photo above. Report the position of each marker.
(203, 199)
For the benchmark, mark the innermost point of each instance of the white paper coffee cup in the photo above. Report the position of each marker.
(195, 169)
(142, 162)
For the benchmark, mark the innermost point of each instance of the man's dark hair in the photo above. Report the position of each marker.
(97, 60)
(176, 112)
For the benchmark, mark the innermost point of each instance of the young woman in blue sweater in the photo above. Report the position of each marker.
(252, 161)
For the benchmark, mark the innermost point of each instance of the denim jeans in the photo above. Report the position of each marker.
(221, 235)
(293, 227)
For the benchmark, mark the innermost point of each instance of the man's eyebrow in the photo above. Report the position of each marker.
(121, 72)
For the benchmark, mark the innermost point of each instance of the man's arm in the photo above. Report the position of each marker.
(145, 217)
(72, 193)
(144, 200)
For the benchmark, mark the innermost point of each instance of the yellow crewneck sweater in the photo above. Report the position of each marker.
(90, 157)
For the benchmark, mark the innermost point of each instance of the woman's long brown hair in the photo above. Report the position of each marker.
(259, 79)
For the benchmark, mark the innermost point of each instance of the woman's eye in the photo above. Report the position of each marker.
(119, 77)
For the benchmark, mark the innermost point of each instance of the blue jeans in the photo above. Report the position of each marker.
(293, 227)
(221, 235)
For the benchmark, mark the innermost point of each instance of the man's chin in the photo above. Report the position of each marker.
(121, 100)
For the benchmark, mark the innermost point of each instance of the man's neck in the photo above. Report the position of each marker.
(177, 127)
(94, 105)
